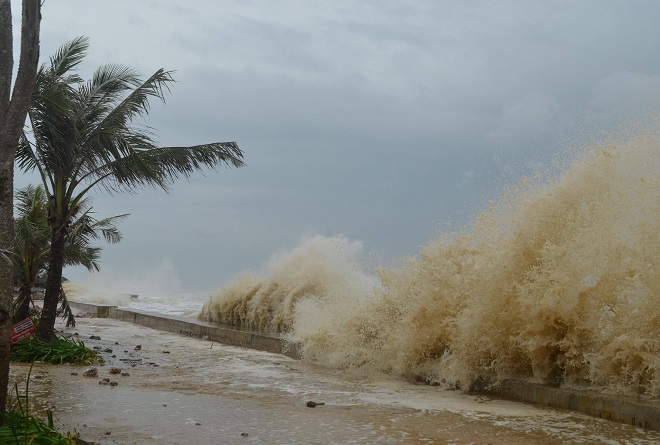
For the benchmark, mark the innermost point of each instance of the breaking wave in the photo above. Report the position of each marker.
(557, 282)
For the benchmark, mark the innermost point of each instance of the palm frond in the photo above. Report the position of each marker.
(69, 55)
(65, 309)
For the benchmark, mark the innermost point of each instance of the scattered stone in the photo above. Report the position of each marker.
(74, 373)
(113, 356)
(312, 404)
(106, 380)
(164, 404)
(101, 382)
(125, 374)
(244, 434)
(115, 370)
(95, 337)
(116, 342)
(108, 350)
(197, 423)
(91, 372)
(114, 383)
(98, 348)
(138, 347)
(166, 352)
(107, 433)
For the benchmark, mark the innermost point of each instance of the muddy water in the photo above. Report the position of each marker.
(188, 391)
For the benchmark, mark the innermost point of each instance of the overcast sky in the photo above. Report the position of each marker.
(381, 120)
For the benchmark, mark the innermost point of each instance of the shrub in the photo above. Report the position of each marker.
(61, 351)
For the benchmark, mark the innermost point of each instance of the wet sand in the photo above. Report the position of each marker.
(188, 391)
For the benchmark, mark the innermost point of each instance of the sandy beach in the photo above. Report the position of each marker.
(177, 390)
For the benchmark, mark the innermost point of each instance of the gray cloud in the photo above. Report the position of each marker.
(378, 120)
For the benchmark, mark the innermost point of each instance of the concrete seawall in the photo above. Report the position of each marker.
(228, 335)
(634, 411)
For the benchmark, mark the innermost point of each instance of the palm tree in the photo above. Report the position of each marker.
(31, 232)
(85, 136)
(33, 243)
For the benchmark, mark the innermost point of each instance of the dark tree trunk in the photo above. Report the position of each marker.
(13, 109)
(6, 277)
(45, 330)
(24, 298)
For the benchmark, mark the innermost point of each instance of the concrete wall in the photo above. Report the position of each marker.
(638, 412)
(200, 329)
(633, 411)
(95, 310)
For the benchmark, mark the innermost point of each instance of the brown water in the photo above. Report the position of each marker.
(204, 393)
(557, 282)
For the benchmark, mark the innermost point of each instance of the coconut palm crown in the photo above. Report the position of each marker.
(85, 135)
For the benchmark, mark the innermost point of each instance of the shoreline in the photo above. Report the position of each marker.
(623, 409)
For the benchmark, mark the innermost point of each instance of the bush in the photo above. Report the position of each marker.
(61, 351)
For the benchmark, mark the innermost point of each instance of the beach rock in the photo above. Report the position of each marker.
(94, 337)
(125, 374)
(91, 372)
(138, 347)
(312, 404)
(114, 383)
(244, 434)
(115, 370)
(108, 350)
(74, 373)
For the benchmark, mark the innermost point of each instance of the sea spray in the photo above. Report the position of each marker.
(557, 282)
(320, 271)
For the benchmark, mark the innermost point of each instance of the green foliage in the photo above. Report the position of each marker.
(62, 350)
(18, 426)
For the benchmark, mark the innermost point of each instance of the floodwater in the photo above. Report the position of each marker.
(182, 390)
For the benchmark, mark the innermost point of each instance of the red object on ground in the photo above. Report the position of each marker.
(22, 330)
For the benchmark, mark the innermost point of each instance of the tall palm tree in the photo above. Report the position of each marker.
(85, 135)
(32, 246)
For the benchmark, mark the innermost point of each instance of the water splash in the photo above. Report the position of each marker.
(320, 272)
(557, 282)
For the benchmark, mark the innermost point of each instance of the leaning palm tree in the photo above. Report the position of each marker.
(32, 246)
(85, 135)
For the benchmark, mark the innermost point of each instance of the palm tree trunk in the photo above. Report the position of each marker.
(53, 282)
(25, 298)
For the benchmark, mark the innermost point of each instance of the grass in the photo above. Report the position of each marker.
(20, 427)
(60, 351)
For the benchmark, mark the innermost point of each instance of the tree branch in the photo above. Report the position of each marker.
(27, 67)
(6, 54)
